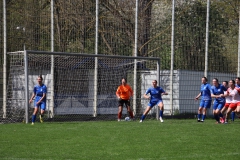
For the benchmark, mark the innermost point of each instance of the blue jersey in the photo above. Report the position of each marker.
(238, 86)
(217, 91)
(156, 93)
(206, 92)
(39, 91)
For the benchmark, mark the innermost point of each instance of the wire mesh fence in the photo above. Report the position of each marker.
(29, 25)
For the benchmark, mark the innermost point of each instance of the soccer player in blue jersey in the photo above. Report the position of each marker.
(219, 102)
(206, 99)
(39, 92)
(155, 97)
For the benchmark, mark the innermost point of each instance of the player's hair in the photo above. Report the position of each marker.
(233, 81)
(226, 82)
(155, 81)
(40, 76)
(238, 78)
(215, 79)
(205, 78)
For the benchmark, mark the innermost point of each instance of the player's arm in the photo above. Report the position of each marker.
(31, 99)
(164, 93)
(44, 95)
(146, 96)
(197, 97)
(215, 96)
(118, 93)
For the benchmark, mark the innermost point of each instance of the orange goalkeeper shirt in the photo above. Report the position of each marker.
(124, 92)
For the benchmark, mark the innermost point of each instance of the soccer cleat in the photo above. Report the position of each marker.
(221, 120)
(218, 122)
(161, 120)
(41, 120)
(140, 121)
(198, 120)
(202, 120)
(32, 123)
(225, 122)
(119, 120)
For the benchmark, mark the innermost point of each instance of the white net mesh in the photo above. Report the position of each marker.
(74, 84)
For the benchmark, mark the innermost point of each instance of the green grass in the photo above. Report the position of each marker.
(173, 139)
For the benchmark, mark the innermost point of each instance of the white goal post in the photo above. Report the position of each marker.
(74, 91)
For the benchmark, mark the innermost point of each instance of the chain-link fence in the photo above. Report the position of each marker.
(29, 25)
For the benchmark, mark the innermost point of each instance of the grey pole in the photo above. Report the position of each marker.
(51, 107)
(172, 57)
(4, 60)
(207, 39)
(96, 63)
(26, 84)
(158, 79)
(135, 61)
(238, 71)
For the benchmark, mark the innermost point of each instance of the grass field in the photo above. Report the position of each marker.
(173, 139)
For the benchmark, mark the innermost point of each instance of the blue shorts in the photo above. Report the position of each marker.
(41, 105)
(205, 103)
(218, 105)
(151, 104)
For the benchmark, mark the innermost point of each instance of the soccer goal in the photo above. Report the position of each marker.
(79, 86)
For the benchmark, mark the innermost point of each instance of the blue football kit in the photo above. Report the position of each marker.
(39, 91)
(218, 102)
(205, 96)
(155, 95)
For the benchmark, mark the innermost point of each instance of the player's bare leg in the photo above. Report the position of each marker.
(120, 108)
(200, 111)
(130, 111)
(34, 115)
(41, 115)
(237, 111)
(161, 107)
(228, 114)
(145, 113)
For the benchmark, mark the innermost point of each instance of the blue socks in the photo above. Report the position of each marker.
(161, 113)
(199, 116)
(220, 114)
(33, 118)
(203, 117)
(143, 117)
(233, 116)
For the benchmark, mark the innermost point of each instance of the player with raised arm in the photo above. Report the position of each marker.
(124, 93)
(155, 97)
(206, 99)
(228, 101)
(233, 92)
(219, 102)
(39, 92)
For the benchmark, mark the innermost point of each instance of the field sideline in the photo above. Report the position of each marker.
(150, 140)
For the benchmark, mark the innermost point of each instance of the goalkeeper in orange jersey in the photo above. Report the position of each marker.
(124, 93)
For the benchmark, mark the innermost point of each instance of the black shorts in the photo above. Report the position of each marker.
(121, 102)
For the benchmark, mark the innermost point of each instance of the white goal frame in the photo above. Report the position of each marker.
(95, 56)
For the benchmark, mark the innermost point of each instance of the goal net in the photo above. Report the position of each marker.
(79, 86)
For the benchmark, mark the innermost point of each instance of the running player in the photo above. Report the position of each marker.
(238, 107)
(228, 101)
(39, 92)
(155, 97)
(206, 99)
(233, 92)
(124, 93)
(219, 102)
